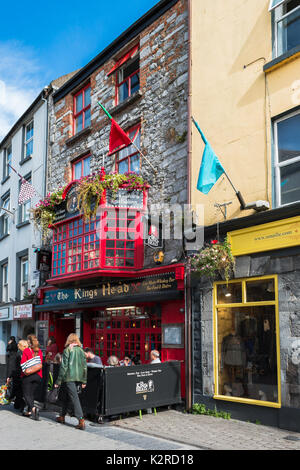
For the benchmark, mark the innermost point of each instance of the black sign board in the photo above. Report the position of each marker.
(141, 387)
(127, 199)
(113, 290)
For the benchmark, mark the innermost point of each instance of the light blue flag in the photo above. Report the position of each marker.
(211, 169)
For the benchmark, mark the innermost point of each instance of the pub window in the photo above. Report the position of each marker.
(287, 159)
(246, 336)
(82, 109)
(286, 25)
(128, 158)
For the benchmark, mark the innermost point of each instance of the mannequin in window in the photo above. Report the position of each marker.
(233, 354)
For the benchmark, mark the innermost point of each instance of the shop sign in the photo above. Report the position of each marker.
(4, 313)
(127, 199)
(113, 290)
(22, 311)
(273, 236)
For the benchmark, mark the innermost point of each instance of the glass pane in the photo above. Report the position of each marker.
(123, 92)
(78, 103)
(87, 118)
(87, 97)
(247, 354)
(290, 187)
(86, 166)
(288, 32)
(288, 138)
(29, 131)
(135, 83)
(229, 294)
(77, 172)
(79, 123)
(135, 163)
(131, 67)
(258, 291)
(123, 166)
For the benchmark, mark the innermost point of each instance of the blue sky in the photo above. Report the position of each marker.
(44, 40)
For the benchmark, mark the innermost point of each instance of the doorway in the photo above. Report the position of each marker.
(64, 327)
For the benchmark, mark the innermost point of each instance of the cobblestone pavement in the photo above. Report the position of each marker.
(211, 433)
(19, 433)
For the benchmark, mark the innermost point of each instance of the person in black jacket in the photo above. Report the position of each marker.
(14, 375)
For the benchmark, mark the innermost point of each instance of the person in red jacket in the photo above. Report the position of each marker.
(32, 357)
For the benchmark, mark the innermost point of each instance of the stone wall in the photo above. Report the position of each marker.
(160, 106)
(287, 267)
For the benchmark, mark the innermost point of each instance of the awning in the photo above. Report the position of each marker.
(124, 59)
(276, 3)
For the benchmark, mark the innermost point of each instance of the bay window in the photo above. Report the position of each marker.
(286, 25)
(287, 159)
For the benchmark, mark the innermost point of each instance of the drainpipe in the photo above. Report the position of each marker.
(188, 309)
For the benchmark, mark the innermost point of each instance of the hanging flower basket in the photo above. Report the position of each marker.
(214, 261)
(90, 190)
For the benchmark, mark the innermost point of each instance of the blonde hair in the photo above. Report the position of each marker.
(23, 344)
(72, 338)
(113, 361)
(33, 344)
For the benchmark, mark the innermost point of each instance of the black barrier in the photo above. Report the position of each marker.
(116, 390)
(139, 387)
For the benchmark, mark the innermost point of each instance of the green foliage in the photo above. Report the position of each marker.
(215, 258)
(200, 409)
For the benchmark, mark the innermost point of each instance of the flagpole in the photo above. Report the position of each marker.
(142, 155)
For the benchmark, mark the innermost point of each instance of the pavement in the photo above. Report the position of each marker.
(169, 430)
(210, 433)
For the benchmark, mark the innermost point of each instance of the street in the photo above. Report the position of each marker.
(20, 433)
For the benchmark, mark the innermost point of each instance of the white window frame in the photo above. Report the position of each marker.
(7, 168)
(5, 203)
(26, 142)
(280, 16)
(278, 165)
(25, 207)
(24, 282)
(4, 286)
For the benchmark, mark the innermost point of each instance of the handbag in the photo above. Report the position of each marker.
(32, 366)
(53, 396)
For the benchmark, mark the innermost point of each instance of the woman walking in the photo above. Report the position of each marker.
(31, 364)
(72, 373)
(14, 377)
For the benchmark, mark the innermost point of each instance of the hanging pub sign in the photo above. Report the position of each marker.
(69, 207)
(113, 290)
(126, 199)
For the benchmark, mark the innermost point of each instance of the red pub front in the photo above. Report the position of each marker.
(101, 289)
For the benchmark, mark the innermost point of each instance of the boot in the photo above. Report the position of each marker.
(81, 425)
(60, 419)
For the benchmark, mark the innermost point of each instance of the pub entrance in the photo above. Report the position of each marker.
(125, 331)
(65, 325)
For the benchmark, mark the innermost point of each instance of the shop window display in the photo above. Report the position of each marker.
(246, 341)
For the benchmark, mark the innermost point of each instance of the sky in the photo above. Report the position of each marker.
(40, 41)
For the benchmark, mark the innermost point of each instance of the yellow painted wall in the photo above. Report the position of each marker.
(234, 105)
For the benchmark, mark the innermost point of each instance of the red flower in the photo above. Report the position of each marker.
(214, 242)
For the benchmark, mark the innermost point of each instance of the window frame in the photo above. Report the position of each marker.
(6, 168)
(128, 79)
(241, 304)
(83, 109)
(278, 165)
(136, 128)
(5, 216)
(278, 17)
(24, 260)
(80, 160)
(4, 285)
(31, 139)
(22, 208)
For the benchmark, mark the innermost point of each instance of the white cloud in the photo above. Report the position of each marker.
(20, 83)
